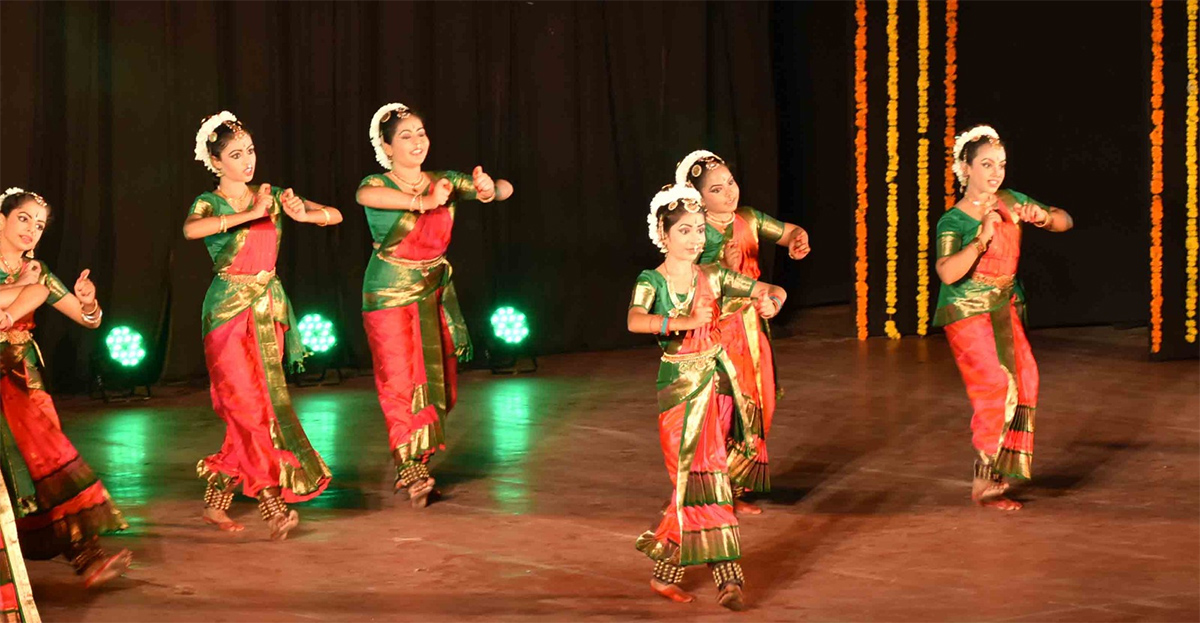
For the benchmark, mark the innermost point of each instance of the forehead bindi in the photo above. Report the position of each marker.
(33, 211)
(240, 144)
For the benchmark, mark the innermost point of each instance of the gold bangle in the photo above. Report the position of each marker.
(224, 228)
(326, 213)
(94, 317)
(980, 246)
(1046, 221)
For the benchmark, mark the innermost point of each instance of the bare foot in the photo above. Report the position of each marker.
(731, 597)
(281, 524)
(418, 492)
(105, 569)
(990, 494)
(671, 591)
(221, 520)
(743, 507)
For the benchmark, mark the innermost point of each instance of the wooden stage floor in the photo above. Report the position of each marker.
(550, 477)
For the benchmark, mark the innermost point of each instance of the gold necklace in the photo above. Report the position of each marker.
(708, 216)
(12, 274)
(980, 203)
(416, 186)
(231, 200)
(678, 306)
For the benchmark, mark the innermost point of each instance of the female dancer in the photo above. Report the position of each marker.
(982, 305)
(249, 327)
(410, 309)
(732, 237)
(679, 301)
(68, 507)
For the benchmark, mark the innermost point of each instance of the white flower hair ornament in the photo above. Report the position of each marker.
(690, 165)
(384, 113)
(10, 192)
(672, 196)
(16, 191)
(960, 143)
(208, 134)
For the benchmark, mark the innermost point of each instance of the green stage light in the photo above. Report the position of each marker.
(509, 325)
(317, 333)
(125, 346)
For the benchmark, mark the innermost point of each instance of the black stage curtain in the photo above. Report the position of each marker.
(1072, 108)
(584, 106)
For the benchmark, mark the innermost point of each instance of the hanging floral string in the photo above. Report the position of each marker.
(1156, 174)
(860, 158)
(951, 97)
(893, 159)
(922, 167)
(1193, 246)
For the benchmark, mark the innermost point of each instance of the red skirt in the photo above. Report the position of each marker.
(264, 445)
(415, 374)
(72, 505)
(1001, 377)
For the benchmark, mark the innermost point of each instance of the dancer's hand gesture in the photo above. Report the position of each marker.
(699, 322)
(485, 187)
(262, 202)
(85, 290)
(989, 226)
(293, 206)
(799, 248)
(766, 306)
(1031, 213)
(30, 274)
(440, 193)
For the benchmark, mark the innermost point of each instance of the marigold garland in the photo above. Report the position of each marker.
(951, 97)
(860, 156)
(1193, 246)
(893, 157)
(1156, 175)
(922, 167)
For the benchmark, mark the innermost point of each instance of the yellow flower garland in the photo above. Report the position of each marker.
(893, 168)
(860, 158)
(951, 97)
(922, 167)
(1156, 173)
(1193, 246)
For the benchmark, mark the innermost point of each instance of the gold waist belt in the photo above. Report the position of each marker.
(16, 336)
(703, 355)
(421, 265)
(996, 281)
(261, 277)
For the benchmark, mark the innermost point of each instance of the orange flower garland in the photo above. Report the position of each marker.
(893, 168)
(951, 97)
(1156, 175)
(1193, 246)
(922, 167)
(860, 158)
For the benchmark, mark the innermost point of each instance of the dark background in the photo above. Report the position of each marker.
(586, 107)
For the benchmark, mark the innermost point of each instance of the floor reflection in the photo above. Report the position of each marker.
(126, 440)
(511, 415)
(337, 439)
